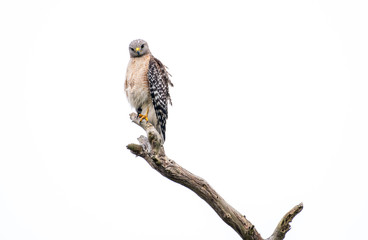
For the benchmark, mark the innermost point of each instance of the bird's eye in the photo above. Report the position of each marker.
(132, 49)
(142, 46)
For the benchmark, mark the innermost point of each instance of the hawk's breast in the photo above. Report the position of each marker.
(136, 83)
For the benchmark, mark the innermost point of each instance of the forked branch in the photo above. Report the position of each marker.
(152, 150)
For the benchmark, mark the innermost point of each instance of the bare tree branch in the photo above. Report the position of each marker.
(152, 150)
(284, 225)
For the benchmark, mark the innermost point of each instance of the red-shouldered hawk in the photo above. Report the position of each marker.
(147, 85)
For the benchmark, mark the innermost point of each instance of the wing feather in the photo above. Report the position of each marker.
(159, 82)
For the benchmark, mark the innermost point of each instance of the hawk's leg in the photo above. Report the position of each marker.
(138, 110)
(143, 116)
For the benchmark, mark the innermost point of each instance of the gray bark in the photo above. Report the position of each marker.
(152, 150)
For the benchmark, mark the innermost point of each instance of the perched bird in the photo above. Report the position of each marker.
(147, 86)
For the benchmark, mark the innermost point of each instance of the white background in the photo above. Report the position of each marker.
(269, 106)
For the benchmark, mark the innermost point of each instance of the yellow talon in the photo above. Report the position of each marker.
(142, 117)
(145, 117)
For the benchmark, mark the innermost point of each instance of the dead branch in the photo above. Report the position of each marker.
(152, 150)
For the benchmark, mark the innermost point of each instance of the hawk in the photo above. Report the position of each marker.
(147, 86)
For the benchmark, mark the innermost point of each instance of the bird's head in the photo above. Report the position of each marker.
(138, 48)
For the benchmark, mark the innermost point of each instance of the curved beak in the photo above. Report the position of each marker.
(137, 50)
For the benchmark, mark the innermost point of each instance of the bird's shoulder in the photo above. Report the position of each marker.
(158, 68)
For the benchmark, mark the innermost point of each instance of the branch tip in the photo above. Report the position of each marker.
(135, 148)
(284, 225)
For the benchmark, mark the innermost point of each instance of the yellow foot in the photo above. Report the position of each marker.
(143, 117)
